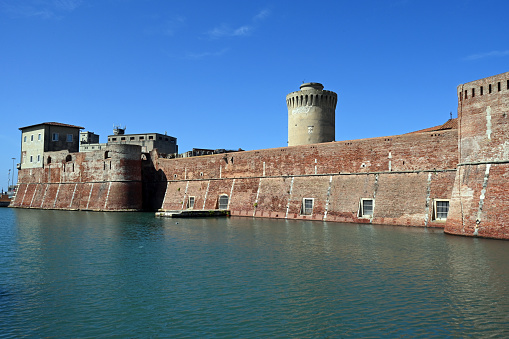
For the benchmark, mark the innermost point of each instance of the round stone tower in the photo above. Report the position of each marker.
(311, 115)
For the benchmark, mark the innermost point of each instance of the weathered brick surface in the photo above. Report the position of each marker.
(480, 199)
(86, 181)
(404, 175)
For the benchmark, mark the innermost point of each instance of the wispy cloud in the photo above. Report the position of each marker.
(67, 5)
(225, 30)
(173, 25)
(263, 14)
(492, 54)
(169, 27)
(194, 56)
(45, 9)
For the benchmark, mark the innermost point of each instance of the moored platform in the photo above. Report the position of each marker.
(193, 213)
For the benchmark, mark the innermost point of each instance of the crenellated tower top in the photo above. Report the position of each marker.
(311, 115)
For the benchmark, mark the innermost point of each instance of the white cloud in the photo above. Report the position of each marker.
(173, 25)
(45, 9)
(67, 5)
(262, 15)
(225, 30)
(202, 55)
(492, 54)
(244, 30)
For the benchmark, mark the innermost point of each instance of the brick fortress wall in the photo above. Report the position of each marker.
(480, 198)
(106, 180)
(403, 174)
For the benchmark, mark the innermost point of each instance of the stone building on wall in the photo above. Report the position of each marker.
(148, 141)
(46, 137)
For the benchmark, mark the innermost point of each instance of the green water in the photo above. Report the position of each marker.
(90, 274)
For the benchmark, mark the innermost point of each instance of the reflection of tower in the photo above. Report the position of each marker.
(311, 115)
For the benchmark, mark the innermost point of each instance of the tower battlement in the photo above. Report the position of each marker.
(311, 115)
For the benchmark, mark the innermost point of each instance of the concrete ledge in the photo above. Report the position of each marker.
(193, 213)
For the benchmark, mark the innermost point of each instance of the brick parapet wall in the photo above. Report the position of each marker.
(426, 151)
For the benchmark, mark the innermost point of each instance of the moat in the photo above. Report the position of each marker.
(96, 274)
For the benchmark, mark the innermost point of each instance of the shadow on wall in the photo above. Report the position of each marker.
(154, 185)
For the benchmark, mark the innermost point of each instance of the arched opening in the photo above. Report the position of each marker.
(68, 158)
(107, 155)
(49, 160)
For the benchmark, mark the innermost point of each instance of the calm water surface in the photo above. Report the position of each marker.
(89, 274)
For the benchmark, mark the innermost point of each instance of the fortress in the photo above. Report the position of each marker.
(453, 176)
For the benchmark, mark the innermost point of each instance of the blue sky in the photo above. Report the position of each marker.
(215, 74)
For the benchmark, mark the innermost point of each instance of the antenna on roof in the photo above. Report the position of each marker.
(451, 115)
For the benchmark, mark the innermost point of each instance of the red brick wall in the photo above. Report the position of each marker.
(87, 182)
(402, 173)
(480, 199)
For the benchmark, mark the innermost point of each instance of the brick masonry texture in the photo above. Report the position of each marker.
(466, 163)
(96, 181)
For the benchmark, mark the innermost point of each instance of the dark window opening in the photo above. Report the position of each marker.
(68, 158)
(499, 86)
(190, 203)
(473, 92)
(482, 90)
(223, 202)
(107, 155)
(150, 137)
(123, 138)
(142, 138)
(441, 209)
(49, 160)
(489, 88)
(466, 94)
(366, 208)
(307, 206)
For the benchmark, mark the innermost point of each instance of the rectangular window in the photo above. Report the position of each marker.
(113, 139)
(223, 202)
(32, 137)
(473, 92)
(141, 138)
(499, 86)
(441, 209)
(190, 203)
(39, 137)
(55, 137)
(482, 90)
(123, 138)
(69, 137)
(366, 208)
(307, 206)
(489, 88)
(466, 94)
(25, 138)
(131, 138)
(38, 158)
(507, 84)
(31, 159)
(150, 137)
